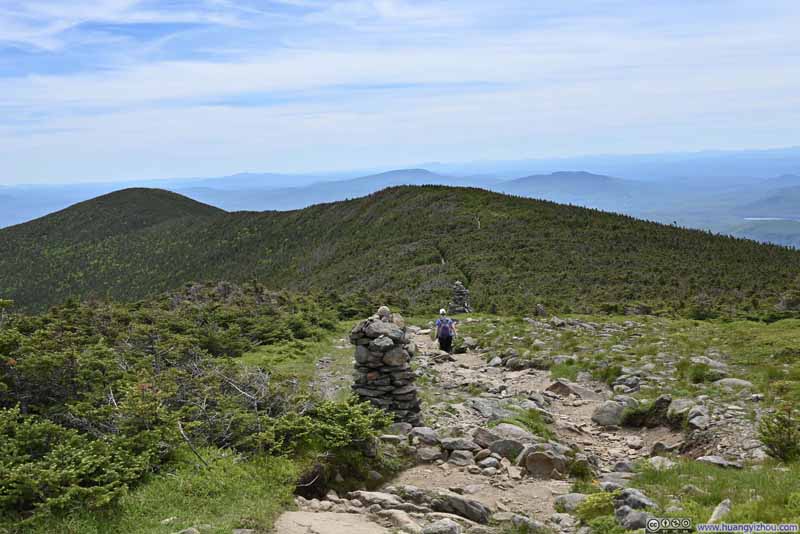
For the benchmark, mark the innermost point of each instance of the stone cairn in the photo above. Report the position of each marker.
(460, 302)
(383, 374)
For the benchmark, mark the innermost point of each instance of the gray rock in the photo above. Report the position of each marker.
(634, 499)
(660, 463)
(400, 429)
(492, 409)
(461, 458)
(608, 414)
(631, 519)
(453, 503)
(459, 444)
(381, 344)
(569, 502)
(514, 432)
(497, 361)
(720, 512)
(623, 467)
(370, 498)
(484, 437)
(507, 448)
(679, 409)
(566, 388)
(627, 401)
(442, 526)
(375, 329)
(714, 364)
(545, 464)
(720, 461)
(425, 435)
(429, 454)
(733, 383)
(490, 462)
(519, 521)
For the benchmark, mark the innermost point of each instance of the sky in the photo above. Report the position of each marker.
(112, 90)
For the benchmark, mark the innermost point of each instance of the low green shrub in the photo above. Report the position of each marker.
(46, 468)
(326, 426)
(780, 433)
(595, 505)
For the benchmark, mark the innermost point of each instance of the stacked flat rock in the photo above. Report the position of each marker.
(383, 374)
(460, 302)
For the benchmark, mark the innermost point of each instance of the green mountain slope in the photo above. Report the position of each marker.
(406, 242)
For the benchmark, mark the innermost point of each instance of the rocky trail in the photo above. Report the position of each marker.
(476, 470)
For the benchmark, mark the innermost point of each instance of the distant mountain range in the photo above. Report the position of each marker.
(401, 245)
(725, 192)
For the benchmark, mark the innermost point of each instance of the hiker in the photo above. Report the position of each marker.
(445, 331)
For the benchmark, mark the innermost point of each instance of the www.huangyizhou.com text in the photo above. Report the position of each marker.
(748, 528)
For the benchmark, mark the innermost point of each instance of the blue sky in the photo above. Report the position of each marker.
(129, 89)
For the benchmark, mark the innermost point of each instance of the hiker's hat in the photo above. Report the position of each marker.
(442, 312)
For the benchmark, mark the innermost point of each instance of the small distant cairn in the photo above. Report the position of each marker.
(383, 374)
(460, 302)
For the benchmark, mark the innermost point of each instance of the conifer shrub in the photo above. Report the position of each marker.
(780, 433)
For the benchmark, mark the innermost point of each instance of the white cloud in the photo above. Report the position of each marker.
(364, 82)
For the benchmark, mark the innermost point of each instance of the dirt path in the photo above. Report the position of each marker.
(462, 393)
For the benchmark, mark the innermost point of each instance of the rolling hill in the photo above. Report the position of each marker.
(783, 203)
(406, 243)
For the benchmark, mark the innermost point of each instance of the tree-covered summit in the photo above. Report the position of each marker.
(409, 242)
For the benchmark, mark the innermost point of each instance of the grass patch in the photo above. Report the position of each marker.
(568, 370)
(297, 359)
(767, 493)
(231, 493)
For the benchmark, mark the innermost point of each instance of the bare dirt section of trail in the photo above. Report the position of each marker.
(475, 468)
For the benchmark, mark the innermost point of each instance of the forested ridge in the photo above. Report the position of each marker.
(408, 243)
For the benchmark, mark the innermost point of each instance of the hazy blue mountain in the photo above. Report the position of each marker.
(781, 203)
(581, 188)
(330, 191)
(696, 168)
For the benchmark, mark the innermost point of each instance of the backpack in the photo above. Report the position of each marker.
(446, 328)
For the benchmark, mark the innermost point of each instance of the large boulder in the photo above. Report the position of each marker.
(509, 431)
(545, 463)
(452, 503)
(608, 413)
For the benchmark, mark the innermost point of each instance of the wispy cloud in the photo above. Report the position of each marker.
(131, 88)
